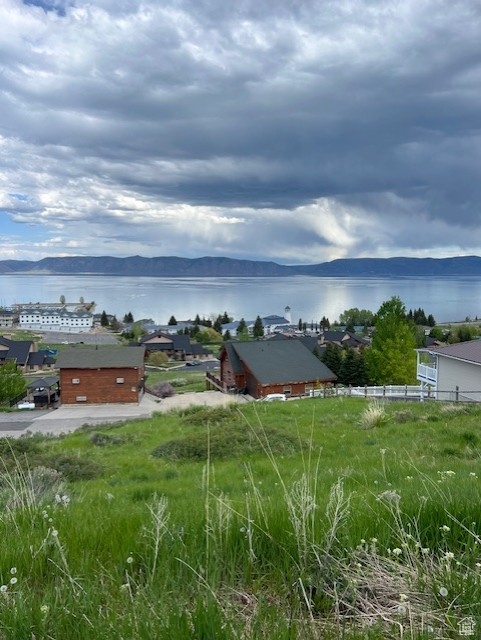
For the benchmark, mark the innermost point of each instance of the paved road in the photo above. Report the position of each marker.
(69, 418)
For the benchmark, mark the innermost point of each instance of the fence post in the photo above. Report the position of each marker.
(384, 391)
(365, 390)
(405, 391)
(457, 393)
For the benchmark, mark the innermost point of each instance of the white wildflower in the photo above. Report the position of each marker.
(443, 592)
(13, 580)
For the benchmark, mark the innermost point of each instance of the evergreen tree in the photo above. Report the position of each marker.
(218, 324)
(172, 321)
(104, 321)
(332, 358)
(241, 327)
(299, 324)
(431, 320)
(128, 318)
(226, 318)
(227, 336)
(325, 324)
(114, 324)
(197, 319)
(348, 371)
(258, 330)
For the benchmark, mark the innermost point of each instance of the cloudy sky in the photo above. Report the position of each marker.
(298, 131)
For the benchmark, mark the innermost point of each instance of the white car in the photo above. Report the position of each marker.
(274, 397)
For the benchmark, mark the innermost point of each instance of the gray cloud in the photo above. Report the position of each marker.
(298, 132)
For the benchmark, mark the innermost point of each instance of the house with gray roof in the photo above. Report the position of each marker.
(101, 375)
(177, 346)
(25, 354)
(262, 367)
(451, 372)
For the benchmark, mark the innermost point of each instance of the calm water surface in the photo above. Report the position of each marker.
(448, 299)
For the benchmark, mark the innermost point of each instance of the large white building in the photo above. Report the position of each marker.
(55, 320)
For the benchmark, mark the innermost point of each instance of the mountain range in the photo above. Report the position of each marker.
(175, 267)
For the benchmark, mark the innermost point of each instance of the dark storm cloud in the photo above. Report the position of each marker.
(350, 119)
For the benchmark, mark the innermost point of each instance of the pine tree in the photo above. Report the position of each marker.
(241, 327)
(104, 321)
(332, 358)
(172, 321)
(258, 330)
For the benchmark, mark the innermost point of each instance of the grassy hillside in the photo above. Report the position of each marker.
(300, 520)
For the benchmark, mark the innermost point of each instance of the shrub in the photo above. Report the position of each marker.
(228, 442)
(373, 416)
(13, 448)
(103, 439)
(158, 358)
(74, 467)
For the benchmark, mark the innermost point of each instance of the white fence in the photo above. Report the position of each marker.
(407, 391)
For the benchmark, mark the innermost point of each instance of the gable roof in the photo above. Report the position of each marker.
(279, 361)
(18, 350)
(469, 351)
(103, 358)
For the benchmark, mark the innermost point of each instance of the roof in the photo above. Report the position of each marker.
(104, 358)
(61, 313)
(39, 358)
(43, 383)
(469, 351)
(18, 350)
(279, 361)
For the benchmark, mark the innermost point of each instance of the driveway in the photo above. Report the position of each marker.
(66, 419)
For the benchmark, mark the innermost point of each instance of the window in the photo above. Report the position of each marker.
(75, 380)
(81, 398)
(120, 380)
(309, 388)
(287, 391)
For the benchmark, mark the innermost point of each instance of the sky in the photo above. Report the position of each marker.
(298, 131)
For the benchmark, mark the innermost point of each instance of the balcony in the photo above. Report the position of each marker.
(427, 374)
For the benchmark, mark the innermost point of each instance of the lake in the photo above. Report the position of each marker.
(309, 298)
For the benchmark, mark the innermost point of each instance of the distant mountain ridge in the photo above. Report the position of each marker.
(175, 267)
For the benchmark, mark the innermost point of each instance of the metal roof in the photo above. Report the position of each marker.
(102, 358)
(280, 361)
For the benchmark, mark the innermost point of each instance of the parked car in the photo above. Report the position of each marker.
(274, 397)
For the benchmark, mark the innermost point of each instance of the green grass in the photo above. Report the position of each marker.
(283, 520)
(183, 381)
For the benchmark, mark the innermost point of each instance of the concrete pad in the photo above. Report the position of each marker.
(68, 418)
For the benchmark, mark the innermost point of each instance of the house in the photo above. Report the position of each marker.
(451, 372)
(25, 354)
(99, 376)
(41, 319)
(271, 366)
(344, 339)
(176, 346)
(8, 318)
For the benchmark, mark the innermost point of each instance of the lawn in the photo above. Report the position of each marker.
(183, 381)
(307, 519)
